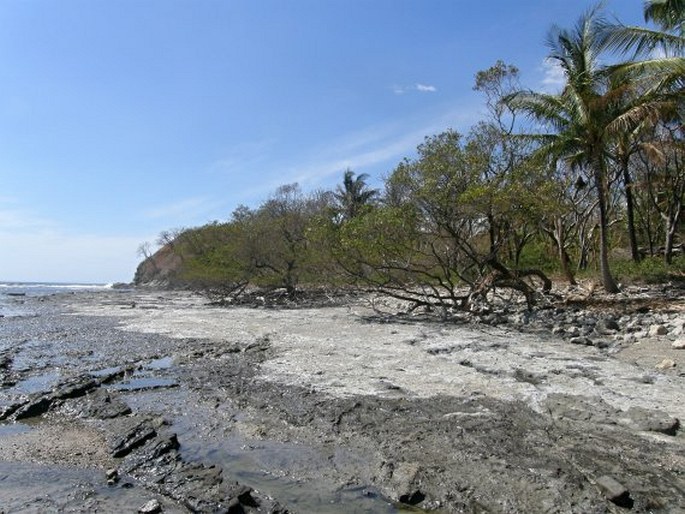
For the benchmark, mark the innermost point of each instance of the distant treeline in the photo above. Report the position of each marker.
(589, 180)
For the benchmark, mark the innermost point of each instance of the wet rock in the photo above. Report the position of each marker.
(133, 438)
(40, 404)
(35, 407)
(413, 498)
(8, 410)
(151, 507)
(5, 361)
(404, 482)
(102, 405)
(203, 489)
(74, 388)
(112, 475)
(614, 491)
(162, 445)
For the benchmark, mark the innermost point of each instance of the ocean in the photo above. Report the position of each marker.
(12, 293)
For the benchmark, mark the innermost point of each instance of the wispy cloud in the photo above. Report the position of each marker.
(372, 150)
(243, 156)
(188, 209)
(426, 88)
(421, 88)
(553, 79)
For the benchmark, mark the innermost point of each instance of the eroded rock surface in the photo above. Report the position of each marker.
(272, 409)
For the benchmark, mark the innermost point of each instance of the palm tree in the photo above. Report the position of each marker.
(585, 118)
(353, 194)
(668, 14)
(657, 68)
(657, 54)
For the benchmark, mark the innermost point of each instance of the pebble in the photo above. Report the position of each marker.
(666, 364)
(679, 344)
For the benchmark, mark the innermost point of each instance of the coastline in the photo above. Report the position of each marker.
(358, 409)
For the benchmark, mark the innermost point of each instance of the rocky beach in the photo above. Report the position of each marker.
(157, 401)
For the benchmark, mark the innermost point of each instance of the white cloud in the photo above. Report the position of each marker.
(421, 88)
(553, 76)
(425, 88)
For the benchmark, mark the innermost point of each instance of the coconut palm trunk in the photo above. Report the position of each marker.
(600, 179)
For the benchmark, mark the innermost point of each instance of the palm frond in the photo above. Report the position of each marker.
(642, 41)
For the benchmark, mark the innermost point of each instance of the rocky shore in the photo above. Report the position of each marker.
(158, 402)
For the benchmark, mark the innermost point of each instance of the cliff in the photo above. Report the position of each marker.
(159, 270)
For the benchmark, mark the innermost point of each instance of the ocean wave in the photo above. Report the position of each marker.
(51, 285)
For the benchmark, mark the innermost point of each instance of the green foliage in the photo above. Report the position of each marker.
(467, 208)
(538, 254)
(651, 270)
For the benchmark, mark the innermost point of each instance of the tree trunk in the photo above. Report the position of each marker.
(630, 212)
(608, 281)
(563, 254)
(668, 247)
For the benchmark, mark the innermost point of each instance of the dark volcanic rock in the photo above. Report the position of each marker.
(74, 388)
(104, 405)
(39, 404)
(35, 407)
(8, 410)
(137, 435)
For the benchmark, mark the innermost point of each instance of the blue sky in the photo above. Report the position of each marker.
(123, 118)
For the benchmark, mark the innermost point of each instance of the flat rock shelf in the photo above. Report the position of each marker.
(156, 401)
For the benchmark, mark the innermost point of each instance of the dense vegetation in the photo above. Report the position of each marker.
(586, 181)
